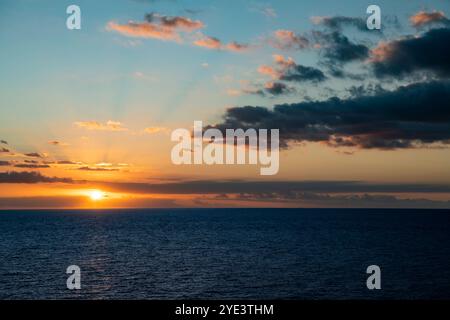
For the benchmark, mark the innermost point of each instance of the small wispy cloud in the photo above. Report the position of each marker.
(153, 130)
(216, 44)
(58, 143)
(95, 125)
(86, 168)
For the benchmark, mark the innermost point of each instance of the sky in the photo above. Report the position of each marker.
(86, 115)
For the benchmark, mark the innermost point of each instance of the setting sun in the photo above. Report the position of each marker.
(96, 195)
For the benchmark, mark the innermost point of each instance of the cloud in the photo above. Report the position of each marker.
(58, 143)
(3, 141)
(144, 30)
(269, 71)
(289, 70)
(33, 155)
(269, 12)
(287, 39)
(162, 27)
(325, 200)
(337, 48)
(157, 26)
(271, 88)
(277, 88)
(29, 177)
(208, 42)
(426, 53)
(424, 18)
(31, 166)
(216, 44)
(236, 186)
(66, 162)
(412, 116)
(4, 150)
(280, 186)
(338, 22)
(153, 130)
(237, 47)
(4, 163)
(298, 73)
(108, 126)
(316, 193)
(86, 168)
(176, 22)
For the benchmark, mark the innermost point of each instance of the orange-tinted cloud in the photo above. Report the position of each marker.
(101, 168)
(237, 47)
(268, 70)
(287, 39)
(162, 27)
(157, 26)
(214, 43)
(144, 30)
(423, 18)
(281, 61)
(209, 42)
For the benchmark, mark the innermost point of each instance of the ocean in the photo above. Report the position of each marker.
(225, 253)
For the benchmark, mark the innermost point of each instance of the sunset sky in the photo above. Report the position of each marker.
(86, 115)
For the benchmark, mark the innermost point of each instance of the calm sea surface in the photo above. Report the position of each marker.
(225, 253)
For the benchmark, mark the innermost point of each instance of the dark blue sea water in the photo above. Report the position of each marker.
(225, 253)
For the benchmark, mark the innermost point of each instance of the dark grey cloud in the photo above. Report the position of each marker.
(337, 48)
(277, 88)
(366, 90)
(338, 22)
(415, 115)
(29, 177)
(301, 73)
(65, 162)
(4, 150)
(3, 141)
(429, 52)
(4, 163)
(271, 89)
(31, 166)
(33, 155)
(173, 22)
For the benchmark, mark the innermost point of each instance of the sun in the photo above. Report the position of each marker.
(96, 195)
